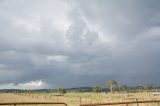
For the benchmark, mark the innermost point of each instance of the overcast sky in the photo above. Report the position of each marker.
(73, 43)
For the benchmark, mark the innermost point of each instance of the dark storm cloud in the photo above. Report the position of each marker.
(79, 43)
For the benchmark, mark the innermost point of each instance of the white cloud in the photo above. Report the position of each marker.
(33, 84)
(38, 84)
(58, 58)
(2, 66)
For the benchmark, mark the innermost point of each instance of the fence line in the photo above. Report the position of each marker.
(32, 103)
(118, 103)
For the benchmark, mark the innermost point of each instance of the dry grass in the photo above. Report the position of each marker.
(74, 99)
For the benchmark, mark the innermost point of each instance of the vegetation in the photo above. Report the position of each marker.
(97, 89)
(123, 87)
(84, 95)
(74, 99)
(111, 84)
(61, 91)
(148, 86)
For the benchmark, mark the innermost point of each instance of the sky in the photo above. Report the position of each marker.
(78, 43)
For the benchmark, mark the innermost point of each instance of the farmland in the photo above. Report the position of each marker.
(75, 99)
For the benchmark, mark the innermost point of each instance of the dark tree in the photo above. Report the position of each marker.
(123, 87)
(61, 91)
(97, 89)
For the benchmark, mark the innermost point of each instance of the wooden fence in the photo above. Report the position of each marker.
(33, 103)
(118, 103)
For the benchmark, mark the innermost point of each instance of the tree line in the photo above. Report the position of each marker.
(112, 85)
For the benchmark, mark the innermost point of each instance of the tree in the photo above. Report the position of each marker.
(149, 86)
(97, 89)
(62, 91)
(139, 87)
(111, 84)
(122, 87)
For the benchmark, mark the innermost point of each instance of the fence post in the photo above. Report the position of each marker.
(80, 100)
(50, 97)
(137, 102)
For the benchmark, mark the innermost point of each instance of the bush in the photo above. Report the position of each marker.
(97, 89)
(61, 91)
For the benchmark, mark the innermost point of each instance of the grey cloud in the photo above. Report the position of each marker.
(94, 41)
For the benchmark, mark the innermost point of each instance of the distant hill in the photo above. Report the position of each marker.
(77, 89)
(84, 89)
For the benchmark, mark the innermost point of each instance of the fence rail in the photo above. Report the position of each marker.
(118, 103)
(32, 103)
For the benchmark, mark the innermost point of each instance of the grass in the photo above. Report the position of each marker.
(74, 99)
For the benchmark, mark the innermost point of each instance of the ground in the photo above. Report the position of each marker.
(75, 99)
